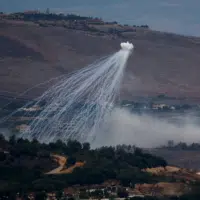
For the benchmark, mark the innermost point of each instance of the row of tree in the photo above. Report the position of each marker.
(36, 16)
(23, 165)
(171, 145)
(31, 160)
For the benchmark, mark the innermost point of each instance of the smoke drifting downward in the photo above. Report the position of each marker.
(124, 127)
(81, 107)
(77, 105)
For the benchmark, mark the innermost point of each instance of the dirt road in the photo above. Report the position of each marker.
(61, 160)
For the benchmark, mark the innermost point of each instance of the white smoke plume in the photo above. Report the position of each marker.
(124, 127)
(76, 106)
(127, 46)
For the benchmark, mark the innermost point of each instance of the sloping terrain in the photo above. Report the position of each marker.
(181, 158)
(62, 161)
(162, 63)
(70, 169)
(174, 172)
(161, 189)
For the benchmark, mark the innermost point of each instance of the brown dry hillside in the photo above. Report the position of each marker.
(62, 160)
(162, 63)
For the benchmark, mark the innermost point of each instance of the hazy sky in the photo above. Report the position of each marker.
(179, 16)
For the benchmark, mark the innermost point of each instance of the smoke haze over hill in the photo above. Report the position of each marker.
(124, 127)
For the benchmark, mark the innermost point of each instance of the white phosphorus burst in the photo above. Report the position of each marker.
(76, 106)
(127, 46)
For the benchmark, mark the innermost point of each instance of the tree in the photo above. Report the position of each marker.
(2, 141)
(2, 138)
(97, 194)
(35, 141)
(74, 146)
(162, 96)
(182, 146)
(138, 151)
(186, 106)
(47, 11)
(86, 146)
(59, 195)
(83, 195)
(2, 156)
(12, 140)
(40, 196)
(71, 161)
(170, 143)
(122, 193)
(31, 160)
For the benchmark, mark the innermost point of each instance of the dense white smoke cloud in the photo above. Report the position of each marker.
(127, 46)
(124, 127)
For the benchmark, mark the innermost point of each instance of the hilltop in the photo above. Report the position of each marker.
(36, 47)
(74, 170)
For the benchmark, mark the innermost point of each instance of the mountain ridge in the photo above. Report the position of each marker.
(33, 53)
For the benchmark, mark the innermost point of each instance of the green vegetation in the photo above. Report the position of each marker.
(23, 165)
(36, 16)
(181, 146)
(75, 21)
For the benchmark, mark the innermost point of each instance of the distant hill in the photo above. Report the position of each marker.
(34, 51)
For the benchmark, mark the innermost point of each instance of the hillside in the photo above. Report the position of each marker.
(31, 53)
(34, 161)
(121, 171)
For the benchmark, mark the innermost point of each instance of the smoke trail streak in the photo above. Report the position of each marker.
(75, 107)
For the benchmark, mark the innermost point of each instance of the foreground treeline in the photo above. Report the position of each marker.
(23, 165)
(171, 145)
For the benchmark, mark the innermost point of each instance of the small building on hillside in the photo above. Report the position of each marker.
(31, 196)
(159, 106)
(95, 21)
(51, 196)
(70, 191)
